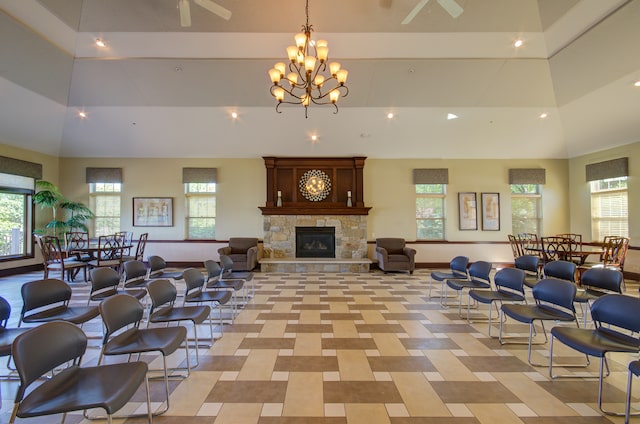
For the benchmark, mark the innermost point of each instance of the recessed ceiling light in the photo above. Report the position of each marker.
(234, 115)
(82, 114)
(543, 115)
(314, 137)
(451, 116)
(518, 43)
(100, 43)
(390, 115)
(637, 83)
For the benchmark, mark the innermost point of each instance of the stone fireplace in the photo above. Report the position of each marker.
(323, 197)
(279, 243)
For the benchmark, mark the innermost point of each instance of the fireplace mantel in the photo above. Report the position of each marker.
(315, 210)
(341, 182)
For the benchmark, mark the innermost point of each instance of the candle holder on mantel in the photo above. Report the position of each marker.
(279, 200)
(349, 203)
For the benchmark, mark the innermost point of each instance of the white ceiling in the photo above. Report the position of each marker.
(160, 90)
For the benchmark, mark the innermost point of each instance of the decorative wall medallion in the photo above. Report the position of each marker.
(315, 185)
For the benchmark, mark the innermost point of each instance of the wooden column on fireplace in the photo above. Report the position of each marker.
(345, 176)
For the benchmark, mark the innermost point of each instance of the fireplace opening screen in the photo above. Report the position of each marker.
(315, 242)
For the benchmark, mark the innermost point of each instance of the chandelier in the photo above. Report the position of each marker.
(307, 80)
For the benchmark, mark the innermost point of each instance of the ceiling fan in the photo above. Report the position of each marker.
(451, 6)
(185, 10)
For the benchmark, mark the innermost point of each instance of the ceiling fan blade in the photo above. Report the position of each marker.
(185, 13)
(415, 11)
(214, 8)
(453, 8)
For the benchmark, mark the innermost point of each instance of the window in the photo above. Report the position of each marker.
(105, 202)
(16, 216)
(609, 208)
(201, 210)
(526, 206)
(430, 211)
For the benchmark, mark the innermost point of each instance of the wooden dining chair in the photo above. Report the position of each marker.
(77, 244)
(109, 253)
(126, 241)
(556, 248)
(139, 253)
(55, 259)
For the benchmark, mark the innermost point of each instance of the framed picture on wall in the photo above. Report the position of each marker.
(468, 211)
(490, 211)
(153, 211)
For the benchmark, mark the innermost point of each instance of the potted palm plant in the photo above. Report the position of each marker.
(49, 196)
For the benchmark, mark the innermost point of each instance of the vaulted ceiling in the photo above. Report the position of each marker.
(159, 89)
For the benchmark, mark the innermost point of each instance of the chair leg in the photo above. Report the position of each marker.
(627, 406)
(626, 412)
(529, 342)
(587, 363)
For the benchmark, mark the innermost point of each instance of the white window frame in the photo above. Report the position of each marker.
(537, 219)
(98, 192)
(199, 190)
(442, 197)
(17, 242)
(611, 218)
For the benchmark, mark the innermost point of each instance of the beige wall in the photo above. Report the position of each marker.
(388, 190)
(241, 189)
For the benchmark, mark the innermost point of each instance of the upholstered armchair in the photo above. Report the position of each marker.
(393, 255)
(243, 251)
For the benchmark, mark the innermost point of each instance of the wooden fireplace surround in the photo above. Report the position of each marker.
(283, 174)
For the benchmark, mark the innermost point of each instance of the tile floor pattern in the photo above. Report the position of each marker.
(367, 348)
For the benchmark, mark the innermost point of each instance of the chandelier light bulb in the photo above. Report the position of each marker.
(309, 63)
(318, 80)
(281, 67)
(323, 53)
(274, 74)
(301, 40)
(334, 96)
(292, 78)
(279, 94)
(334, 67)
(341, 75)
(292, 52)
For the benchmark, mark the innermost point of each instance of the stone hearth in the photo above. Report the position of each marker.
(279, 242)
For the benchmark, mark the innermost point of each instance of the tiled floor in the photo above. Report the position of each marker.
(367, 348)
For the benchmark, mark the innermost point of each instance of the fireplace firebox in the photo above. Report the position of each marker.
(315, 242)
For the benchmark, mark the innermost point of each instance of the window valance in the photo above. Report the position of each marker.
(608, 169)
(431, 176)
(104, 175)
(199, 175)
(527, 176)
